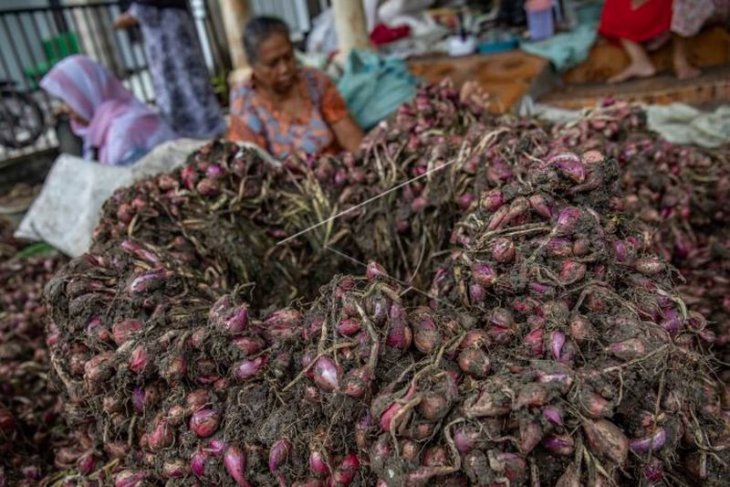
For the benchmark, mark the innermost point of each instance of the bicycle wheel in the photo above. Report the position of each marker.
(21, 120)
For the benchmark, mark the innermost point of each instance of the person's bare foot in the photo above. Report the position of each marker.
(686, 71)
(634, 70)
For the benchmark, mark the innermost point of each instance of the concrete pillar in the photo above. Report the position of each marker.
(350, 24)
(235, 14)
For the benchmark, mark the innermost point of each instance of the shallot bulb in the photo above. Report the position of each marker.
(234, 460)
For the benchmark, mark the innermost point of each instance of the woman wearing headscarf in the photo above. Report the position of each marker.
(182, 85)
(116, 128)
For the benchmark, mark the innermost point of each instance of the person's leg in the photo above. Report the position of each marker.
(640, 65)
(682, 67)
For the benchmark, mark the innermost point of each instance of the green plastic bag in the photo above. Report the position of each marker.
(374, 86)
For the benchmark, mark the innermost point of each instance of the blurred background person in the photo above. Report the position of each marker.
(182, 85)
(116, 128)
(688, 18)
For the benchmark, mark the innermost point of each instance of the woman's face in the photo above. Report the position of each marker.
(276, 66)
(72, 115)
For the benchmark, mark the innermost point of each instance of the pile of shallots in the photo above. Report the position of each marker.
(552, 346)
(30, 408)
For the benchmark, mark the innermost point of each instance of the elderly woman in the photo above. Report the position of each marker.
(116, 128)
(285, 108)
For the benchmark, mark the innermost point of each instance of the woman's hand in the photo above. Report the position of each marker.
(472, 92)
(348, 133)
(125, 21)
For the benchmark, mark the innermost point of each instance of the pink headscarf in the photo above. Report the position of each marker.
(119, 124)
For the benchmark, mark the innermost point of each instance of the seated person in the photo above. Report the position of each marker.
(116, 128)
(284, 108)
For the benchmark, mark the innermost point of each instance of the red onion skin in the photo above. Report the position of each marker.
(498, 218)
(553, 415)
(560, 247)
(249, 369)
(649, 266)
(595, 405)
(318, 463)
(308, 483)
(530, 436)
(138, 399)
(204, 422)
(282, 325)
(161, 436)
(630, 349)
(475, 338)
(348, 327)
(279, 454)
(503, 250)
(140, 252)
(176, 415)
(581, 328)
(216, 447)
(560, 445)
(541, 206)
(196, 399)
(483, 274)
(570, 166)
(400, 335)
(654, 471)
(345, 472)
(477, 294)
(129, 478)
(568, 220)
(123, 330)
(357, 382)
(531, 394)
(651, 442)
(237, 321)
(198, 462)
(465, 439)
(234, 460)
(533, 340)
(86, 464)
(465, 200)
(557, 340)
(326, 374)
(175, 469)
(249, 345)
(139, 360)
(607, 439)
(426, 337)
(492, 200)
(571, 272)
(375, 271)
(474, 362)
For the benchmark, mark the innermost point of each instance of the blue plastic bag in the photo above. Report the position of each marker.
(374, 86)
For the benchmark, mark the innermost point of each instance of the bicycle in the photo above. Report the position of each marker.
(21, 117)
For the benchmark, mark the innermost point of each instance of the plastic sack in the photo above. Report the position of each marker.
(68, 208)
(374, 86)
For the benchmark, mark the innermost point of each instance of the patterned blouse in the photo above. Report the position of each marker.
(254, 119)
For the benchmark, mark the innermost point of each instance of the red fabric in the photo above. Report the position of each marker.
(382, 34)
(620, 20)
